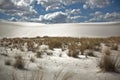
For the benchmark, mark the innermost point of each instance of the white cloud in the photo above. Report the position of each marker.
(60, 17)
(99, 16)
(96, 3)
(56, 17)
(112, 16)
(50, 4)
(73, 11)
(76, 17)
(17, 7)
(54, 7)
(96, 14)
(56, 4)
(85, 6)
(13, 19)
(69, 2)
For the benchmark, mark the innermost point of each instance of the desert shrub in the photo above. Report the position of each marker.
(84, 45)
(73, 50)
(90, 53)
(114, 47)
(49, 52)
(6, 55)
(32, 59)
(82, 48)
(7, 62)
(19, 62)
(39, 54)
(107, 52)
(109, 63)
(43, 48)
(73, 53)
(97, 48)
(66, 75)
(54, 44)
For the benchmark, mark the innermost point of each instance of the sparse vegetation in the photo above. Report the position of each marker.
(19, 62)
(32, 59)
(73, 53)
(73, 50)
(114, 47)
(7, 62)
(54, 44)
(107, 52)
(90, 53)
(39, 54)
(109, 63)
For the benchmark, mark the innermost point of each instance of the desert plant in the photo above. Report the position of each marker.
(62, 76)
(39, 54)
(6, 55)
(83, 47)
(73, 53)
(32, 59)
(108, 63)
(7, 62)
(19, 62)
(107, 52)
(97, 48)
(90, 53)
(114, 47)
(54, 44)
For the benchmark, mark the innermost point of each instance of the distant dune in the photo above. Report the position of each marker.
(28, 29)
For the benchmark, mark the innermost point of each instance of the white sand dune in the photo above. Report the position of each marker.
(27, 29)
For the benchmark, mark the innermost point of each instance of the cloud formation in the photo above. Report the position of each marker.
(96, 3)
(68, 16)
(58, 4)
(17, 7)
(100, 17)
(56, 17)
(58, 11)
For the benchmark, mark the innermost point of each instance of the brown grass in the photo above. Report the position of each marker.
(8, 62)
(114, 47)
(73, 50)
(56, 42)
(90, 53)
(107, 52)
(39, 54)
(109, 64)
(19, 62)
(32, 59)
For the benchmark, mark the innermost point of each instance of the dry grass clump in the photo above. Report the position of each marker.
(109, 63)
(83, 47)
(6, 55)
(114, 47)
(60, 75)
(97, 48)
(19, 62)
(90, 53)
(54, 44)
(73, 51)
(8, 62)
(32, 59)
(39, 54)
(107, 52)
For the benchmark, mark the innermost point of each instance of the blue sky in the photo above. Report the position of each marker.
(60, 11)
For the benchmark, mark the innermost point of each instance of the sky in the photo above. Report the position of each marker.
(60, 11)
